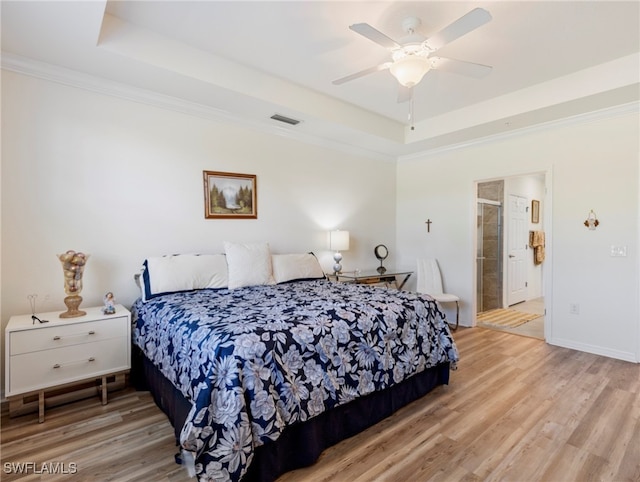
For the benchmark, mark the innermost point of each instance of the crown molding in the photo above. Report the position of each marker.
(610, 112)
(80, 80)
(73, 78)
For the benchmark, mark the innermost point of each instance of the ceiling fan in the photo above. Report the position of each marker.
(413, 56)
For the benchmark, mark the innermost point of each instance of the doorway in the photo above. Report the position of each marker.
(508, 284)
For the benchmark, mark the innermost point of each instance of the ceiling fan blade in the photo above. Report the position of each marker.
(374, 35)
(362, 73)
(460, 67)
(465, 24)
(404, 93)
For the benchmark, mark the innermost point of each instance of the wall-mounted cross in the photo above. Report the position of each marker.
(428, 223)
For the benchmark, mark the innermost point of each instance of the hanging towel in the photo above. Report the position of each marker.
(536, 241)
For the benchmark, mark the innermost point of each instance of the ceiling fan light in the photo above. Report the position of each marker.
(409, 70)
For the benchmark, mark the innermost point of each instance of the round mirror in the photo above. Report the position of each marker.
(381, 252)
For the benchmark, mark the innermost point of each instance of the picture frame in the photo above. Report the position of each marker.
(535, 211)
(229, 195)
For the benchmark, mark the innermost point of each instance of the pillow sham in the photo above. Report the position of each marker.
(293, 267)
(248, 264)
(183, 272)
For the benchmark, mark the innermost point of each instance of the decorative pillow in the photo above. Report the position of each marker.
(248, 264)
(183, 272)
(290, 267)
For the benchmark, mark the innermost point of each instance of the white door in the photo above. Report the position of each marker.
(517, 246)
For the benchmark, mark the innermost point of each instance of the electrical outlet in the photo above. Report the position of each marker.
(574, 308)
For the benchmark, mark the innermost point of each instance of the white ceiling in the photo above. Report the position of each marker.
(248, 60)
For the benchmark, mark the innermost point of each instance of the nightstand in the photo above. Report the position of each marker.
(40, 357)
(373, 277)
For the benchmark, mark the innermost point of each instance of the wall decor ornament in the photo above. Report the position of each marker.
(73, 264)
(230, 195)
(592, 221)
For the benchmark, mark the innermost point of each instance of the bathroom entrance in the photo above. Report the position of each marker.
(509, 291)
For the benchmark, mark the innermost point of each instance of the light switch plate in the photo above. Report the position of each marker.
(618, 251)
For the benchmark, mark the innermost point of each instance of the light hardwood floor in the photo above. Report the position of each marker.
(516, 409)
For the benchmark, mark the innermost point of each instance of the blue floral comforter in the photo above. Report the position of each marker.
(257, 359)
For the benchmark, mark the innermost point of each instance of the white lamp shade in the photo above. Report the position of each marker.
(339, 240)
(409, 70)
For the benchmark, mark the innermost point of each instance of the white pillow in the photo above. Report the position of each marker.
(289, 267)
(248, 264)
(183, 272)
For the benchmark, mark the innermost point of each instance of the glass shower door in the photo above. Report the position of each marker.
(489, 255)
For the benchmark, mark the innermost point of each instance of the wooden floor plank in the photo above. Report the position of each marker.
(515, 409)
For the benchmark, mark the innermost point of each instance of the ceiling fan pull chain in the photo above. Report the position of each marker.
(411, 114)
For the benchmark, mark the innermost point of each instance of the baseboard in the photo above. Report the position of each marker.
(594, 349)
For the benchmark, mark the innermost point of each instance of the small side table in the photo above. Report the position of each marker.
(64, 352)
(389, 277)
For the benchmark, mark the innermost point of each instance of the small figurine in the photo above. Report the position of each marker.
(109, 304)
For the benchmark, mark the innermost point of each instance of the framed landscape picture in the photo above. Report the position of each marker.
(229, 195)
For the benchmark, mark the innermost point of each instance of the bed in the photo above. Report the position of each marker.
(259, 374)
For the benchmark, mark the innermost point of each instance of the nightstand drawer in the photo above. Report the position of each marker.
(53, 336)
(32, 371)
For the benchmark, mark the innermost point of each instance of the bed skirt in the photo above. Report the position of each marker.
(301, 444)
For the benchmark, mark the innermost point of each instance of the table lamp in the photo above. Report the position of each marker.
(338, 241)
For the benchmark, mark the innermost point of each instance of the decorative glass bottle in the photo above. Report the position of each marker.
(73, 264)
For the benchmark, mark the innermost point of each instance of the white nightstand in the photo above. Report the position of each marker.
(64, 351)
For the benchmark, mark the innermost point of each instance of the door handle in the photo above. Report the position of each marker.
(512, 256)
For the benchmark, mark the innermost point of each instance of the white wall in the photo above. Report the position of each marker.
(591, 164)
(122, 181)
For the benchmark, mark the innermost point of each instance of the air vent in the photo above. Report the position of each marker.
(286, 120)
